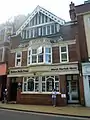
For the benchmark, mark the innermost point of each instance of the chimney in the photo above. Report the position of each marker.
(72, 11)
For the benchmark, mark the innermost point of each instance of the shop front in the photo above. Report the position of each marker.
(35, 83)
(3, 79)
(86, 81)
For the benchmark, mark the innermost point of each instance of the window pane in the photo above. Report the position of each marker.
(64, 57)
(31, 32)
(40, 58)
(43, 87)
(37, 79)
(43, 78)
(18, 63)
(48, 30)
(24, 32)
(25, 87)
(56, 78)
(69, 77)
(35, 32)
(50, 84)
(18, 54)
(28, 34)
(30, 85)
(34, 59)
(34, 51)
(29, 52)
(39, 31)
(36, 87)
(47, 50)
(52, 29)
(28, 60)
(48, 58)
(75, 77)
(44, 30)
(57, 86)
(63, 49)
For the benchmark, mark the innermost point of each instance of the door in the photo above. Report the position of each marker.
(72, 90)
(13, 90)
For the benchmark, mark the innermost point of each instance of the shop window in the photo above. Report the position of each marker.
(49, 83)
(45, 84)
(18, 59)
(63, 53)
(30, 84)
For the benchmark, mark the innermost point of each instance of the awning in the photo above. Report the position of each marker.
(3, 69)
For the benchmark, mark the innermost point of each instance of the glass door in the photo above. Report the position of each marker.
(72, 90)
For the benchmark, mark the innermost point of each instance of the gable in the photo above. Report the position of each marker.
(39, 11)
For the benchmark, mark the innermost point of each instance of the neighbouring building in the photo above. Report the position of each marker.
(83, 17)
(4, 51)
(44, 55)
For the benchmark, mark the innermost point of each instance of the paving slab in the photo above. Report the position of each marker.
(68, 110)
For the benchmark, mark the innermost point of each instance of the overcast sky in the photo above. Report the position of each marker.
(10, 8)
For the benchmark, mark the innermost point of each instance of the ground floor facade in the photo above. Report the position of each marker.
(3, 78)
(86, 81)
(34, 84)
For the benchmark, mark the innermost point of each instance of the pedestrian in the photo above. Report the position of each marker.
(54, 94)
(5, 92)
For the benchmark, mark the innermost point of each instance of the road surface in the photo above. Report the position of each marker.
(15, 115)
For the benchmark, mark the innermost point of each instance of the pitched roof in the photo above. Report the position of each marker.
(43, 11)
(82, 8)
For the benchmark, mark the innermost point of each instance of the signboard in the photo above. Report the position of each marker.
(19, 71)
(65, 69)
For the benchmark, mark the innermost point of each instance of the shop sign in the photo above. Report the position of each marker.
(19, 71)
(68, 68)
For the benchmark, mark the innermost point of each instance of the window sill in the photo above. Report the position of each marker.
(58, 93)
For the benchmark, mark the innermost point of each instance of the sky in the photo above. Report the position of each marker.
(10, 8)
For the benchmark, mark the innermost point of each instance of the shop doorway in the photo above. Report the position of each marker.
(3, 80)
(13, 89)
(72, 89)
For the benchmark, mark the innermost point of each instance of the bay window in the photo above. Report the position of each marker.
(63, 53)
(40, 84)
(40, 55)
(18, 59)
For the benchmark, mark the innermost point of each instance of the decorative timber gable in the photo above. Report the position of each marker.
(40, 17)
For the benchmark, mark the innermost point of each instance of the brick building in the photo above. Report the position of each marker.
(45, 54)
(83, 17)
(4, 51)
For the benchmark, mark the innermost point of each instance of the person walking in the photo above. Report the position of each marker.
(54, 94)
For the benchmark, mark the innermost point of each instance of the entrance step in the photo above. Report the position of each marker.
(12, 102)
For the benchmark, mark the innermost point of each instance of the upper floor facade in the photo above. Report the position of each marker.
(44, 39)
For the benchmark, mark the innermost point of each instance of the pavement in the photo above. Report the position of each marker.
(76, 111)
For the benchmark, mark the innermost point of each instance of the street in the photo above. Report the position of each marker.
(13, 115)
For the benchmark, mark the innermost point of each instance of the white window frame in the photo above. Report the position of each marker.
(18, 58)
(44, 53)
(64, 53)
(40, 84)
(47, 53)
(27, 79)
(45, 82)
